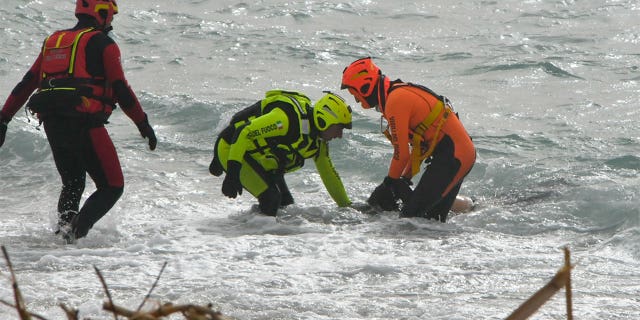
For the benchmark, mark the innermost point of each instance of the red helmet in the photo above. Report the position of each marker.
(101, 10)
(361, 77)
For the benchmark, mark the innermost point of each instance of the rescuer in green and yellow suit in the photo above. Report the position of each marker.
(275, 136)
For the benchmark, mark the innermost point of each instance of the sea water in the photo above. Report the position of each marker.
(549, 91)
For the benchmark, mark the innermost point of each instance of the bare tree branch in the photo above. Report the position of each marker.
(189, 311)
(152, 287)
(14, 307)
(106, 289)
(20, 307)
(72, 314)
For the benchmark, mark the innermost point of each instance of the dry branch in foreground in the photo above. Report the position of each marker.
(188, 311)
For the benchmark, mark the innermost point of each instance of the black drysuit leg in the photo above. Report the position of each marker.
(79, 149)
(428, 199)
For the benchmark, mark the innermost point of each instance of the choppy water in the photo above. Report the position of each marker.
(548, 89)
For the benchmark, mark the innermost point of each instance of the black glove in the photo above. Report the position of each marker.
(383, 198)
(400, 188)
(215, 168)
(231, 186)
(3, 132)
(146, 131)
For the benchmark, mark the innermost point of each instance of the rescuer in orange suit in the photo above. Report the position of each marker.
(423, 128)
(79, 79)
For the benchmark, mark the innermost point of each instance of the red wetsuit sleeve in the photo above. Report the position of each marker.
(22, 91)
(123, 94)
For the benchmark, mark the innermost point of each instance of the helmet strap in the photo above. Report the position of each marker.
(372, 100)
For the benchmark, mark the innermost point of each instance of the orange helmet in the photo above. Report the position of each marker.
(361, 78)
(101, 10)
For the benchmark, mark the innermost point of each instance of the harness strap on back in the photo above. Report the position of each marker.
(441, 109)
(52, 83)
(305, 125)
(417, 156)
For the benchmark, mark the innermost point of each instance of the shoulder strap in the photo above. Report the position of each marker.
(421, 87)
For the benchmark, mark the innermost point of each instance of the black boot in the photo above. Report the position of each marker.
(64, 221)
(285, 195)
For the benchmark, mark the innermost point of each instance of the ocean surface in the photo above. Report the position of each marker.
(549, 90)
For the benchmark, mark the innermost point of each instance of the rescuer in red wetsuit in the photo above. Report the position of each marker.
(423, 129)
(79, 79)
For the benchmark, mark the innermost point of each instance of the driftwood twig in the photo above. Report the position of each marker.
(72, 314)
(562, 279)
(152, 287)
(189, 311)
(20, 307)
(106, 289)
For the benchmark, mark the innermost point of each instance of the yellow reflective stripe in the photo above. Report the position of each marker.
(428, 121)
(416, 153)
(51, 89)
(60, 39)
(72, 63)
(104, 7)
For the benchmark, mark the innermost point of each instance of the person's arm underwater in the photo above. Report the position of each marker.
(330, 177)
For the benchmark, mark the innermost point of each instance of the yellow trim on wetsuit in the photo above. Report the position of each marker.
(417, 156)
(72, 62)
(73, 45)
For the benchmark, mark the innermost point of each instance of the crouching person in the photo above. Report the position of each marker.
(275, 136)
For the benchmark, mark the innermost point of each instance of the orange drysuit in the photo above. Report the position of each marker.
(452, 152)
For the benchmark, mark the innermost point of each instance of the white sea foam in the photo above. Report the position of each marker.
(547, 89)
